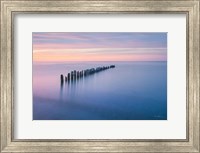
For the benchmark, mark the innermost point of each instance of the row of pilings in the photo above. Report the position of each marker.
(75, 75)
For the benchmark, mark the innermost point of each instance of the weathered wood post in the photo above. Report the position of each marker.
(85, 73)
(68, 76)
(75, 75)
(72, 75)
(61, 79)
(82, 73)
(112, 66)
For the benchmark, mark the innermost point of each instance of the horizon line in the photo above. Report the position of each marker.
(96, 61)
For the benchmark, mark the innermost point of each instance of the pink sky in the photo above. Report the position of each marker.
(58, 47)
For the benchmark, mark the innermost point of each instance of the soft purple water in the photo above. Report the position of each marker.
(131, 91)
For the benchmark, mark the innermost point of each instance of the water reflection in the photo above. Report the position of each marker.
(75, 79)
(130, 91)
(77, 75)
(61, 90)
(69, 90)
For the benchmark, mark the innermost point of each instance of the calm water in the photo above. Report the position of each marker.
(130, 91)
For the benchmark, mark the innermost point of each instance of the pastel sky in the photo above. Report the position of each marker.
(99, 46)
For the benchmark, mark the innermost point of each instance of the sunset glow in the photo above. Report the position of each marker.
(84, 46)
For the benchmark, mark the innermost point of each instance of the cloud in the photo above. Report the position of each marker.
(99, 46)
(101, 54)
(99, 39)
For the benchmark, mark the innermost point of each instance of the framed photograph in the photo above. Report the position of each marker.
(99, 76)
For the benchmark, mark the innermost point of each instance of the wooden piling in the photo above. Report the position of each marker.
(85, 72)
(61, 79)
(68, 76)
(112, 66)
(77, 73)
(72, 75)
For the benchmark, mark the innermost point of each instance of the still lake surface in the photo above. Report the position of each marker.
(130, 91)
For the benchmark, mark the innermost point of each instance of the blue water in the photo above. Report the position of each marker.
(130, 91)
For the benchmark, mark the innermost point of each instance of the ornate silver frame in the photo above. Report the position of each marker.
(8, 10)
